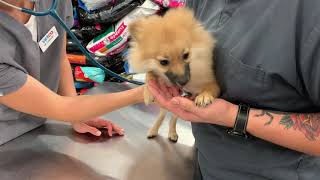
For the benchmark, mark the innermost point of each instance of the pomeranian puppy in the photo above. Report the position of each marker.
(178, 50)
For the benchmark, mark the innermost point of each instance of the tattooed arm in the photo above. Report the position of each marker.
(300, 132)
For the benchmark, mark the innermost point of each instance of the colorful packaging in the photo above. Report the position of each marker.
(171, 3)
(75, 18)
(83, 91)
(108, 14)
(128, 69)
(89, 74)
(103, 60)
(84, 85)
(89, 32)
(91, 5)
(72, 46)
(115, 39)
(77, 33)
(77, 59)
(86, 33)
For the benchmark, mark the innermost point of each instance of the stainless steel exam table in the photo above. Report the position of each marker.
(54, 151)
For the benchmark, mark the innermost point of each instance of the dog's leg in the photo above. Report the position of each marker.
(206, 97)
(148, 97)
(153, 132)
(173, 136)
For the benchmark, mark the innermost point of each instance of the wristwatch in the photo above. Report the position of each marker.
(240, 125)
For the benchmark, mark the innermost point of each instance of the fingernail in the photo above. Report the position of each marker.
(175, 101)
(98, 133)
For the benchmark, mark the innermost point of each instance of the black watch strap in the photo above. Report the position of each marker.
(240, 126)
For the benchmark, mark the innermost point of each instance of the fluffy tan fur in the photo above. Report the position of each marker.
(173, 37)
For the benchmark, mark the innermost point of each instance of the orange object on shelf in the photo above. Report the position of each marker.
(77, 59)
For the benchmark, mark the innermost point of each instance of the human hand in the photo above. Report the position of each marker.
(92, 126)
(220, 112)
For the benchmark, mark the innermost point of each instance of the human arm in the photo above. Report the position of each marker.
(300, 132)
(67, 88)
(36, 99)
(66, 83)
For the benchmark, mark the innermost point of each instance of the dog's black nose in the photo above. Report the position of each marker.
(178, 80)
(181, 81)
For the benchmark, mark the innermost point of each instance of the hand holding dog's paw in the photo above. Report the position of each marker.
(148, 97)
(204, 99)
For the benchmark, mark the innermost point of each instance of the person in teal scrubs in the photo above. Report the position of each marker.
(36, 82)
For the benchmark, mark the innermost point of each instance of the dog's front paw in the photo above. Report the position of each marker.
(148, 97)
(172, 136)
(204, 99)
(152, 133)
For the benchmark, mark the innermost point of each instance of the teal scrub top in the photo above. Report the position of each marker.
(20, 55)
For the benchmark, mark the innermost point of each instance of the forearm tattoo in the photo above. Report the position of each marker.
(308, 124)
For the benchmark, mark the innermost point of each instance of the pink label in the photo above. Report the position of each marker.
(118, 33)
(97, 46)
(176, 4)
(158, 1)
(171, 3)
(118, 50)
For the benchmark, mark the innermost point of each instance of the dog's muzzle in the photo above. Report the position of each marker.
(180, 80)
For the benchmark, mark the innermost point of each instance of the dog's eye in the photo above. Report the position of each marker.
(164, 62)
(185, 55)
